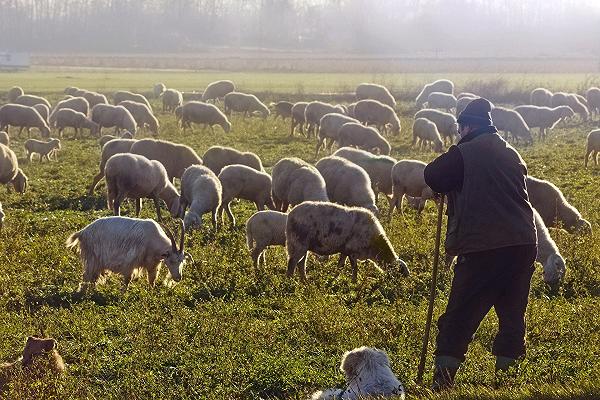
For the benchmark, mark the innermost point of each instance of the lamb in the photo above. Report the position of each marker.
(445, 122)
(217, 90)
(295, 181)
(135, 177)
(327, 228)
(441, 85)
(23, 117)
(408, 179)
(314, 111)
(263, 229)
(31, 100)
(125, 246)
(203, 113)
(218, 157)
(347, 183)
(112, 147)
(554, 209)
(511, 122)
(171, 99)
(74, 103)
(201, 190)
(43, 110)
(107, 138)
(282, 109)
(14, 93)
(174, 157)
(243, 182)
(44, 149)
(245, 103)
(541, 97)
(142, 114)
(68, 118)
(548, 254)
(426, 131)
(10, 171)
(375, 92)
(298, 118)
(124, 95)
(571, 100)
(374, 112)
(158, 89)
(4, 138)
(329, 128)
(108, 116)
(593, 147)
(593, 98)
(441, 100)
(544, 118)
(364, 137)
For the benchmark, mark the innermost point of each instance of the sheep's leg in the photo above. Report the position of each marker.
(138, 206)
(256, 252)
(95, 181)
(229, 213)
(354, 268)
(302, 268)
(157, 206)
(294, 257)
(284, 206)
(214, 219)
(319, 144)
(126, 281)
(393, 203)
(117, 203)
(259, 206)
(293, 126)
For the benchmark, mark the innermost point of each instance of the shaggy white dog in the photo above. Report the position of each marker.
(368, 373)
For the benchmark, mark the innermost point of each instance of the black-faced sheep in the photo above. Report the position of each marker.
(218, 157)
(217, 90)
(378, 114)
(200, 190)
(244, 103)
(375, 92)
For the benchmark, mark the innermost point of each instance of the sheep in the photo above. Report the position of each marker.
(31, 100)
(593, 147)
(581, 99)
(10, 171)
(327, 228)
(282, 109)
(243, 182)
(426, 132)
(142, 114)
(441, 85)
(111, 148)
(445, 122)
(314, 111)
(441, 100)
(364, 137)
(171, 99)
(108, 116)
(71, 90)
(408, 179)
(347, 183)
(44, 149)
(245, 103)
(544, 118)
(93, 98)
(218, 157)
(217, 90)
(43, 110)
(23, 117)
(107, 138)
(158, 89)
(593, 98)
(375, 92)
(298, 118)
(571, 100)
(14, 93)
(68, 118)
(329, 128)
(175, 157)
(203, 113)
(135, 176)
(201, 190)
(125, 246)
(4, 138)
(74, 103)
(295, 181)
(511, 122)
(548, 254)
(374, 112)
(549, 201)
(541, 97)
(124, 95)
(263, 229)
(350, 110)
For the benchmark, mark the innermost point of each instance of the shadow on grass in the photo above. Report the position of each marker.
(58, 203)
(59, 298)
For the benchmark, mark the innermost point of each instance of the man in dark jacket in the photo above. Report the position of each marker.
(491, 230)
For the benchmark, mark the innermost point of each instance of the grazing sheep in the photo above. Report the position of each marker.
(200, 190)
(329, 128)
(31, 100)
(298, 118)
(245, 103)
(243, 182)
(74, 103)
(171, 99)
(14, 93)
(218, 157)
(408, 179)
(548, 254)
(426, 132)
(263, 229)
(571, 100)
(135, 177)
(142, 114)
(282, 109)
(23, 117)
(43, 110)
(217, 90)
(158, 89)
(44, 149)
(108, 116)
(112, 147)
(125, 246)
(314, 111)
(378, 114)
(327, 228)
(593, 147)
(363, 137)
(347, 183)
(593, 98)
(511, 122)
(377, 92)
(68, 118)
(549, 201)
(445, 122)
(442, 85)
(295, 181)
(544, 118)
(10, 171)
(93, 98)
(124, 95)
(203, 113)
(541, 97)
(174, 157)
(107, 138)
(441, 100)
(4, 138)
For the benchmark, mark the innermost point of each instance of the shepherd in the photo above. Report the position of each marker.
(491, 230)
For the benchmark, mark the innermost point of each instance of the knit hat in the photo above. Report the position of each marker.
(476, 112)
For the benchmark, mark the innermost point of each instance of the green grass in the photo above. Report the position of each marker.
(226, 332)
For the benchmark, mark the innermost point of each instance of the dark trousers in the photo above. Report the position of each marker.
(498, 278)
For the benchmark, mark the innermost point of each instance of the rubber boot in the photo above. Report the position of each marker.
(444, 373)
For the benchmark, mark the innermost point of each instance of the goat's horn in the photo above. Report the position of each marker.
(170, 235)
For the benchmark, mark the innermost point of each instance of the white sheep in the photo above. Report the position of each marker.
(217, 90)
(441, 100)
(142, 114)
(218, 157)
(408, 178)
(327, 228)
(125, 95)
(71, 90)
(329, 128)
(171, 99)
(112, 147)
(571, 100)
(108, 116)
(544, 118)
(375, 92)
(298, 118)
(263, 229)
(548, 254)
(541, 97)
(158, 89)
(378, 114)
(282, 109)
(441, 85)
(10, 171)
(74, 103)
(93, 98)
(593, 98)
(511, 122)
(23, 117)
(31, 100)
(174, 157)
(363, 137)
(245, 103)
(44, 149)
(107, 138)
(203, 113)
(295, 181)
(68, 118)
(314, 111)
(426, 132)
(445, 122)
(4, 138)
(125, 246)
(200, 190)
(43, 110)
(14, 93)
(593, 147)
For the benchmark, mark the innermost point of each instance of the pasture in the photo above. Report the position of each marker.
(226, 331)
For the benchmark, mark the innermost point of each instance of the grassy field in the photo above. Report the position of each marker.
(228, 332)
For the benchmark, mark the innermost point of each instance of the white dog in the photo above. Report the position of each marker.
(368, 373)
